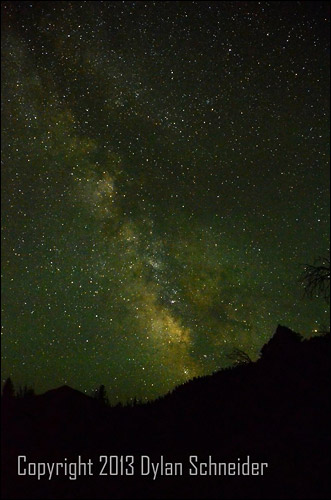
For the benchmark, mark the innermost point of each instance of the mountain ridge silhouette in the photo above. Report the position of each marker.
(276, 409)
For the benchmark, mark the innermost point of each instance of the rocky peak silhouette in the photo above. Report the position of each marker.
(281, 345)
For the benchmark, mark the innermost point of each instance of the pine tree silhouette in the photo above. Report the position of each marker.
(8, 391)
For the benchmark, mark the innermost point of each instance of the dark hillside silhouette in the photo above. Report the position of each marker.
(275, 410)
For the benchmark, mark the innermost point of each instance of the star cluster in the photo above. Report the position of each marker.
(165, 179)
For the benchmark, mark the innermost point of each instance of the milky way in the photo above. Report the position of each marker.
(164, 182)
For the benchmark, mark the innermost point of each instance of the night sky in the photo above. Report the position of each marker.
(164, 181)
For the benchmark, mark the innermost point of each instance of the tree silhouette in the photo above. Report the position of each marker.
(239, 356)
(316, 279)
(25, 392)
(8, 391)
(101, 395)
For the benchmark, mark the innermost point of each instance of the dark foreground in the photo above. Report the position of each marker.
(274, 411)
